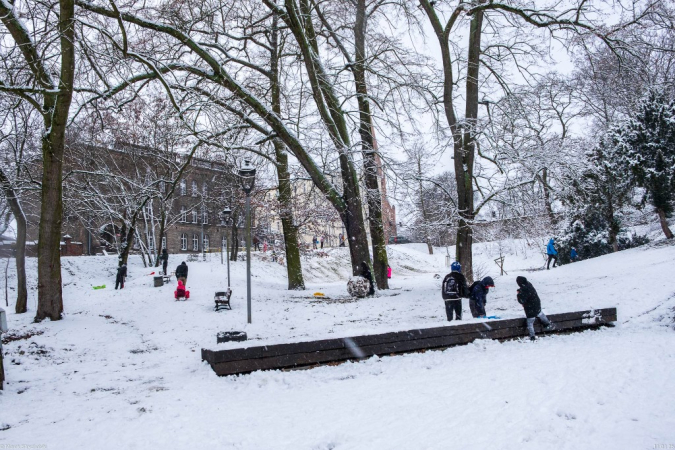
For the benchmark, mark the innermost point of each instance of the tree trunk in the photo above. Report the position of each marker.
(547, 195)
(162, 225)
(465, 148)
(370, 166)
(50, 295)
(20, 252)
(664, 223)
(126, 245)
(293, 262)
(332, 115)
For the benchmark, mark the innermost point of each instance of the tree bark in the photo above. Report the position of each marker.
(293, 262)
(465, 149)
(350, 206)
(370, 166)
(20, 252)
(50, 295)
(547, 195)
(664, 223)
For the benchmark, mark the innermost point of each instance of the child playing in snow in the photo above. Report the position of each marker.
(528, 297)
(180, 291)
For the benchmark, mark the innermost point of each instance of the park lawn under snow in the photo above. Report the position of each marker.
(124, 370)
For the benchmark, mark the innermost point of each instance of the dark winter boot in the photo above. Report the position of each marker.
(533, 338)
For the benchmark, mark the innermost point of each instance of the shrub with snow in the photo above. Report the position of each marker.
(358, 287)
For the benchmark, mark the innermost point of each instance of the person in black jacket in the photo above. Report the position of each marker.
(165, 259)
(121, 275)
(478, 296)
(182, 272)
(528, 297)
(365, 273)
(454, 287)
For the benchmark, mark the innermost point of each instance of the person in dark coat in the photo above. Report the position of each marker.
(182, 272)
(528, 297)
(552, 254)
(121, 276)
(365, 273)
(478, 296)
(164, 257)
(454, 287)
(256, 243)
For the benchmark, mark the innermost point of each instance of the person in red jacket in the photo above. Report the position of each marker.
(180, 291)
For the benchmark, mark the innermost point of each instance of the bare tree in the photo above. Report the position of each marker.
(30, 63)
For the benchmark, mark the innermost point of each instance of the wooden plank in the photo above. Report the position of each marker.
(315, 352)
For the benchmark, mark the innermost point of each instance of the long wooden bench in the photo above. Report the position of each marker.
(299, 354)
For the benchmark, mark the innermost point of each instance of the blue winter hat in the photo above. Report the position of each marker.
(456, 267)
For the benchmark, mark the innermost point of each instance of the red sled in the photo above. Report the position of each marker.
(180, 292)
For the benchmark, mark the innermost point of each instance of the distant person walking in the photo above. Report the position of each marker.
(528, 297)
(552, 254)
(365, 273)
(342, 240)
(182, 272)
(389, 272)
(574, 256)
(478, 296)
(454, 287)
(164, 257)
(315, 240)
(256, 243)
(322, 239)
(121, 276)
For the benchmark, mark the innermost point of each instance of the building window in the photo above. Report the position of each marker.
(151, 242)
(183, 187)
(194, 216)
(195, 189)
(205, 191)
(223, 242)
(162, 187)
(183, 214)
(205, 216)
(195, 242)
(205, 244)
(163, 242)
(183, 241)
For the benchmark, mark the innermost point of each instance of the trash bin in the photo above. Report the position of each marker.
(159, 281)
(227, 336)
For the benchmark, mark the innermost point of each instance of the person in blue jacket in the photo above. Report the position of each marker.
(573, 254)
(552, 254)
(478, 297)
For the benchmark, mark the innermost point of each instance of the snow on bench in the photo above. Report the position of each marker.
(327, 351)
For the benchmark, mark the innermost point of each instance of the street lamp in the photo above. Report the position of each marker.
(225, 219)
(247, 175)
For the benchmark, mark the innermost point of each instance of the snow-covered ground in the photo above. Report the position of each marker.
(123, 369)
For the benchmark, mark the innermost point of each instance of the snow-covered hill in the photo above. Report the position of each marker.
(123, 369)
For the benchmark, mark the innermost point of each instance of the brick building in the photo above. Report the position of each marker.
(105, 186)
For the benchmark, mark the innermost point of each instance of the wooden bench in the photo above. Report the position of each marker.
(193, 257)
(329, 351)
(222, 299)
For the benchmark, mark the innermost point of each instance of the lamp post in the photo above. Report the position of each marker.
(247, 175)
(225, 217)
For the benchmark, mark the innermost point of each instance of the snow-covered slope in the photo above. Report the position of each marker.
(123, 369)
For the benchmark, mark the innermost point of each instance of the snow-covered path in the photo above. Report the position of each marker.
(123, 369)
